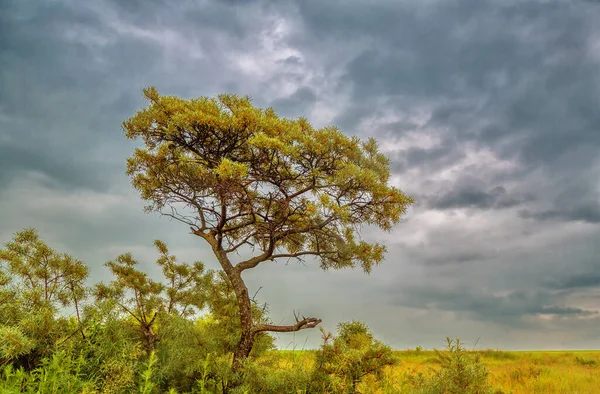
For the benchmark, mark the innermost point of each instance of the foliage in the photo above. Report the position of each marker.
(223, 319)
(254, 179)
(13, 343)
(36, 282)
(267, 376)
(144, 300)
(343, 361)
(112, 349)
(460, 372)
(58, 374)
(586, 362)
(244, 179)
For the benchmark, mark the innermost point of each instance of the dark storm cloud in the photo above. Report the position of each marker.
(518, 81)
(585, 212)
(298, 102)
(575, 282)
(505, 309)
(515, 77)
(472, 196)
(71, 74)
(58, 169)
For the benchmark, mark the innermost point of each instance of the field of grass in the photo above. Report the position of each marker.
(517, 372)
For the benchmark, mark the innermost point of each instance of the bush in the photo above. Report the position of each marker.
(461, 372)
(268, 376)
(585, 362)
(59, 374)
(343, 362)
(13, 343)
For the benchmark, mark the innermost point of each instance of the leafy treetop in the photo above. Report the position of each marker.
(254, 180)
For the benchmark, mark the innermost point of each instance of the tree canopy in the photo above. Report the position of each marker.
(253, 179)
(258, 187)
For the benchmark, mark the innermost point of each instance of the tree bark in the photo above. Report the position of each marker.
(248, 328)
(247, 338)
(150, 340)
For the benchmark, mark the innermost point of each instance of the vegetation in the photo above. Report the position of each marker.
(249, 184)
(49, 345)
(245, 180)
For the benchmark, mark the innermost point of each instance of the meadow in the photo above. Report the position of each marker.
(516, 372)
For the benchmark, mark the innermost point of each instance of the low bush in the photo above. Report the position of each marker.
(343, 361)
(586, 362)
(460, 372)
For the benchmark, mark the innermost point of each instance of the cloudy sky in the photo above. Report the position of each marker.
(489, 111)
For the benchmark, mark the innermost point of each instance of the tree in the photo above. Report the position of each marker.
(143, 299)
(36, 282)
(251, 183)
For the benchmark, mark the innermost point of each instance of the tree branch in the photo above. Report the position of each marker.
(274, 238)
(301, 324)
(242, 242)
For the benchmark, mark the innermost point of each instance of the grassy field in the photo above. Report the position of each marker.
(517, 372)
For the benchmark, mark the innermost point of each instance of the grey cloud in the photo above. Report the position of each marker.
(70, 77)
(514, 79)
(504, 309)
(570, 282)
(292, 61)
(588, 212)
(16, 161)
(296, 104)
(455, 257)
(470, 196)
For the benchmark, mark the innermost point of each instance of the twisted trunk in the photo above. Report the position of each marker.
(245, 309)
(248, 328)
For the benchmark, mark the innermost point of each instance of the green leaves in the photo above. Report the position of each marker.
(13, 343)
(343, 361)
(45, 276)
(37, 283)
(143, 299)
(242, 177)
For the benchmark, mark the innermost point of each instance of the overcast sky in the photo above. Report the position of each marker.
(489, 111)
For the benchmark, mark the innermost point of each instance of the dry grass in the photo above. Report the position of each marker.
(516, 372)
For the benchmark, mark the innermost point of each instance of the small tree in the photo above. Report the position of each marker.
(250, 183)
(351, 356)
(460, 372)
(143, 299)
(36, 282)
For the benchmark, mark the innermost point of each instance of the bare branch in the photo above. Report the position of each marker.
(301, 324)
(300, 254)
(242, 242)
(254, 296)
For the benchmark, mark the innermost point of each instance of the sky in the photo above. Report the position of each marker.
(488, 110)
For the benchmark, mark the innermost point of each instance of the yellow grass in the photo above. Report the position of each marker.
(516, 372)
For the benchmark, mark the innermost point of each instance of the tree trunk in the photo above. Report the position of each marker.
(150, 340)
(249, 330)
(247, 338)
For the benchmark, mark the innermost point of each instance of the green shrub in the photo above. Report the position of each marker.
(13, 343)
(59, 374)
(267, 376)
(460, 372)
(343, 361)
(497, 354)
(585, 362)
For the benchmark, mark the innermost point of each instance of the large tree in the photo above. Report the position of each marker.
(253, 184)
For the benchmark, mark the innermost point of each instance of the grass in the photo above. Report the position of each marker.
(516, 372)
(529, 371)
